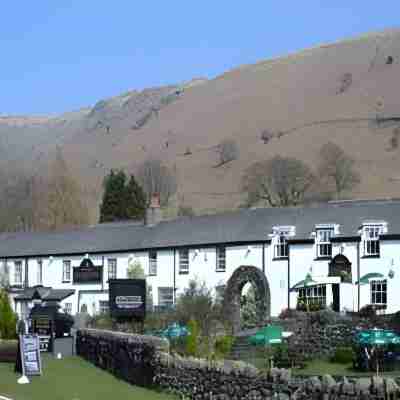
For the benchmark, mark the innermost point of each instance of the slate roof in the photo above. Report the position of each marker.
(45, 293)
(244, 226)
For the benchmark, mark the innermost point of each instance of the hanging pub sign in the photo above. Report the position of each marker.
(87, 272)
(29, 361)
(127, 298)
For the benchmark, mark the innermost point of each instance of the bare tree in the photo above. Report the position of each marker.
(227, 150)
(337, 168)
(266, 136)
(64, 197)
(279, 182)
(154, 177)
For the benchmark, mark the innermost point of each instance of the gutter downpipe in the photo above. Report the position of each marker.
(288, 280)
(358, 276)
(174, 277)
(263, 258)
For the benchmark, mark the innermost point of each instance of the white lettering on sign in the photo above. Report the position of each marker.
(128, 301)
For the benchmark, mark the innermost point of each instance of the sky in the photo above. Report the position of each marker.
(59, 56)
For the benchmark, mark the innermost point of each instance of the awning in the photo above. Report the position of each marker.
(43, 293)
(364, 280)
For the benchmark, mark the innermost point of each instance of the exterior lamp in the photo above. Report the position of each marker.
(248, 250)
(205, 256)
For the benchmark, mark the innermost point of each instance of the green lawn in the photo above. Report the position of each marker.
(71, 379)
(322, 367)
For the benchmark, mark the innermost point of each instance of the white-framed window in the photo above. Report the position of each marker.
(165, 296)
(370, 235)
(152, 263)
(103, 307)
(184, 261)
(18, 272)
(280, 236)
(281, 246)
(68, 308)
(112, 268)
(221, 259)
(324, 245)
(66, 277)
(313, 295)
(39, 272)
(379, 292)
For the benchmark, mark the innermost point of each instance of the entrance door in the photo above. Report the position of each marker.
(336, 297)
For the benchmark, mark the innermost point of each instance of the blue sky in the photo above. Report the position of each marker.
(59, 56)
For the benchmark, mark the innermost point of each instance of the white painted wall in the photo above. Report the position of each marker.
(202, 266)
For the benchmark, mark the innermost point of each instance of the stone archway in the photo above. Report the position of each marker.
(247, 274)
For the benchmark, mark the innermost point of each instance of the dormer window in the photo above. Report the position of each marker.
(280, 237)
(370, 237)
(323, 241)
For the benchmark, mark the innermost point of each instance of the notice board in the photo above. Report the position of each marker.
(30, 355)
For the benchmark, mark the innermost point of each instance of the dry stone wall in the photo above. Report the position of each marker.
(140, 360)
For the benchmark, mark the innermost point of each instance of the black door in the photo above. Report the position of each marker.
(336, 297)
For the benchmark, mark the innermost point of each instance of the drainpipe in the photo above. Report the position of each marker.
(358, 276)
(174, 277)
(26, 281)
(263, 258)
(288, 279)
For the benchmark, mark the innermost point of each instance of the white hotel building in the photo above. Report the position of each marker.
(349, 250)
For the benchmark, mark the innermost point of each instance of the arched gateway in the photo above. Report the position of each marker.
(254, 276)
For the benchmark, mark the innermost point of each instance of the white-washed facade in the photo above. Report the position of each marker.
(285, 258)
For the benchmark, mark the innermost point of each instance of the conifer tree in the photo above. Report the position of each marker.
(121, 199)
(8, 318)
(136, 199)
(113, 206)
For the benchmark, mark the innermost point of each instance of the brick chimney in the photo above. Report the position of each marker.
(153, 212)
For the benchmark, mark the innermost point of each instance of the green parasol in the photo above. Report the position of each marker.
(375, 337)
(271, 334)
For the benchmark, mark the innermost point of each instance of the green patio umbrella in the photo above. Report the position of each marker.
(175, 331)
(375, 337)
(364, 280)
(271, 334)
(307, 281)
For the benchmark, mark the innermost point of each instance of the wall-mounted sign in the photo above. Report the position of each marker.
(87, 272)
(127, 298)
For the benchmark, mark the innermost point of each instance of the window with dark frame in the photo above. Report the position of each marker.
(165, 296)
(112, 268)
(66, 271)
(379, 292)
(153, 263)
(18, 272)
(39, 272)
(371, 239)
(313, 295)
(103, 307)
(221, 258)
(281, 246)
(68, 308)
(324, 245)
(184, 261)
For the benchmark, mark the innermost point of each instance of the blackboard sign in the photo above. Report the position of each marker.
(127, 298)
(30, 355)
(92, 274)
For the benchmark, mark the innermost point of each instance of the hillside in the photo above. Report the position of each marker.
(344, 92)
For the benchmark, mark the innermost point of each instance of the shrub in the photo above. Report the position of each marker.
(8, 319)
(367, 311)
(324, 317)
(287, 313)
(343, 355)
(223, 345)
(8, 350)
(192, 338)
